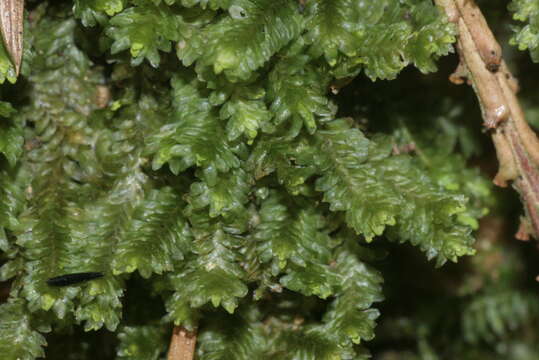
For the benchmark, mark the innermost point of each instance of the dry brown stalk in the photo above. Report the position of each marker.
(182, 344)
(11, 26)
(517, 146)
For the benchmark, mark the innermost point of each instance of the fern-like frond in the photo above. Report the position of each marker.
(379, 191)
(297, 92)
(380, 36)
(491, 316)
(92, 12)
(19, 340)
(246, 113)
(11, 133)
(224, 196)
(58, 112)
(145, 29)
(243, 40)
(158, 236)
(140, 342)
(350, 317)
(211, 275)
(527, 36)
(240, 336)
(193, 136)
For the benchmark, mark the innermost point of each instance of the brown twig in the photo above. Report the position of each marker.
(11, 26)
(517, 146)
(182, 344)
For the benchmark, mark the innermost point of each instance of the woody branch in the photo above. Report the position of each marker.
(517, 146)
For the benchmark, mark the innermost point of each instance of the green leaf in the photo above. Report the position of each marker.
(18, 340)
(377, 190)
(290, 160)
(212, 4)
(294, 242)
(291, 235)
(350, 317)
(12, 199)
(213, 275)
(7, 69)
(239, 336)
(527, 36)
(243, 40)
(145, 29)
(224, 195)
(312, 344)
(11, 135)
(140, 342)
(6, 110)
(158, 236)
(193, 136)
(92, 12)
(297, 92)
(62, 98)
(380, 36)
(490, 316)
(246, 115)
(435, 149)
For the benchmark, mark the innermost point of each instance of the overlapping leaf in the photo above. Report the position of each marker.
(245, 39)
(224, 196)
(193, 136)
(139, 342)
(59, 116)
(92, 12)
(145, 29)
(212, 275)
(19, 339)
(527, 36)
(11, 134)
(297, 92)
(380, 36)
(158, 236)
(377, 190)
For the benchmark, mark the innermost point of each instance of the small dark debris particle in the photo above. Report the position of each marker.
(71, 279)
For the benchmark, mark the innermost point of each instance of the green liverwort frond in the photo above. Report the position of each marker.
(223, 195)
(158, 236)
(19, 339)
(490, 316)
(145, 29)
(246, 113)
(139, 342)
(11, 134)
(193, 136)
(92, 12)
(7, 69)
(527, 36)
(243, 40)
(350, 317)
(240, 336)
(61, 135)
(298, 92)
(215, 189)
(380, 36)
(211, 275)
(378, 190)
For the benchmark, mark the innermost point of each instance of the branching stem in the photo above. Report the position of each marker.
(517, 146)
